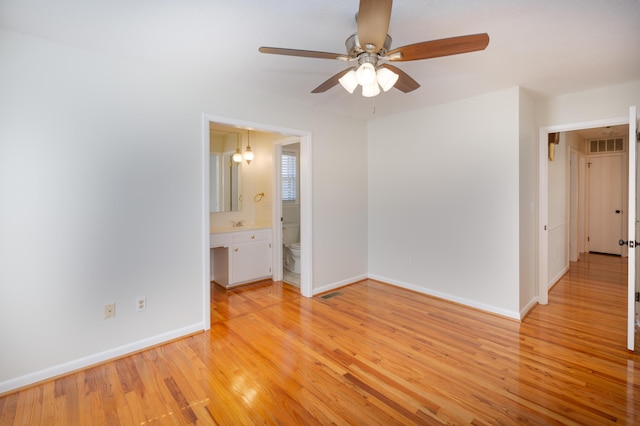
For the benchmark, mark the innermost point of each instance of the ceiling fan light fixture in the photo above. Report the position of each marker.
(366, 74)
(386, 78)
(349, 81)
(370, 44)
(371, 90)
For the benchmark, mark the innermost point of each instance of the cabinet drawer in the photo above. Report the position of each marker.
(249, 236)
(219, 240)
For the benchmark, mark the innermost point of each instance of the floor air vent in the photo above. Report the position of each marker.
(330, 295)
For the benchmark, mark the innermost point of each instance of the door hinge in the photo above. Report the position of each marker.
(637, 296)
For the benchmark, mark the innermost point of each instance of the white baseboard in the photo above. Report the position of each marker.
(472, 303)
(339, 284)
(533, 302)
(445, 296)
(559, 275)
(97, 358)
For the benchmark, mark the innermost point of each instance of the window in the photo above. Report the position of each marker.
(606, 145)
(289, 176)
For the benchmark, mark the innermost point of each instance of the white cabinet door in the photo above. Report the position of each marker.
(251, 261)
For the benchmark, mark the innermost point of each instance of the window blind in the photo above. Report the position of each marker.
(289, 186)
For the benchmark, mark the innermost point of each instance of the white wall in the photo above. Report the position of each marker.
(101, 201)
(591, 105)
(444, 201)
(528, 184)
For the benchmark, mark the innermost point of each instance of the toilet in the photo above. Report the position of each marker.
(291, 243)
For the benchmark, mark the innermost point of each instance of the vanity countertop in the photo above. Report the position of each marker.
(225, 229)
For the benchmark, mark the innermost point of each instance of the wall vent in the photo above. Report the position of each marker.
(599, 146)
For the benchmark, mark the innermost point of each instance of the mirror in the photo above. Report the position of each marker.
(224, 184)
(225, 176)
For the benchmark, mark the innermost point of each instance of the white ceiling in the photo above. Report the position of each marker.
(604, 132)
(550, 47)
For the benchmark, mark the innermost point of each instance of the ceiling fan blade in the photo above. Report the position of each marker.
(330, 82)
(373, 22)
(405, 83)
(303, 53)
(442, 47)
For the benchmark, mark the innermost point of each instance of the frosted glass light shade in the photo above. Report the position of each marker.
(386, 78)
(371, 90)
(237, 157)
(349, 81)
(366, 74)
(248, 155)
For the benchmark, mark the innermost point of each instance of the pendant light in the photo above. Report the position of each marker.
(248, 153)
(237, 156)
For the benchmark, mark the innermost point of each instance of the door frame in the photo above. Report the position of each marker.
(574, 204)
(543, 192)
(278, 212)
(306, 285)
(632, 228)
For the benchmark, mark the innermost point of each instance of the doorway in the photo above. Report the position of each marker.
(543, 194)
(289, 167)
(304, 139)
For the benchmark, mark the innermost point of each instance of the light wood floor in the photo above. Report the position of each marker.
(374, 354)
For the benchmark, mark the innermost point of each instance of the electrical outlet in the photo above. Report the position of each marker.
(141, 303)
(408, 260)
(109, 310)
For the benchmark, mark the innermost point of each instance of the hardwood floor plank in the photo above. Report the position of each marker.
(374, 354)
(48, 404)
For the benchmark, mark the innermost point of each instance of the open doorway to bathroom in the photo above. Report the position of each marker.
(283, 136)
(290, 199)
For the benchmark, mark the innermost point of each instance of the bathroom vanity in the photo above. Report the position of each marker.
(240, 256)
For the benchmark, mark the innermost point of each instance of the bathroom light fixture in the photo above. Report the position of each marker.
(248, 153)
(237, 156)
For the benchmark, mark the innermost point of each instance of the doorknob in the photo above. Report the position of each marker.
(631, 244)
(618, 211)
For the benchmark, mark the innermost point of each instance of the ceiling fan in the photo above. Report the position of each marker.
(370, 49)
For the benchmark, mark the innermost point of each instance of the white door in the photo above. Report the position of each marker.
(605, 204)
(632, 284)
